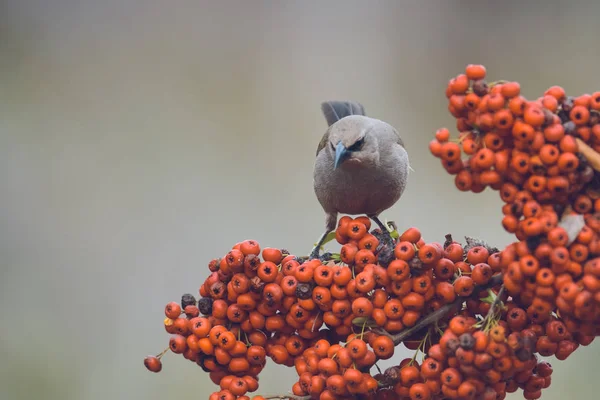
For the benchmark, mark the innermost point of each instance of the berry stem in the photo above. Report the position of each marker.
(162, 353)
(362, 329)
(491, 319)
(420, 348)
(496, 302)
(312, 329)
(378, 369)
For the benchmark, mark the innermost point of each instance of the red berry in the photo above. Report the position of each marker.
(153, 364)
(173, 310)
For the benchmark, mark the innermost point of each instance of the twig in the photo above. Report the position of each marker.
(440, 312)
(287, 396)
(496, 302)
(591, 155)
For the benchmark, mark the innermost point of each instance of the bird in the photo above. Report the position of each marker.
(361, 166)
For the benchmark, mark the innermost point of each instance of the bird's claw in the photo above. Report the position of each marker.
(314, 254)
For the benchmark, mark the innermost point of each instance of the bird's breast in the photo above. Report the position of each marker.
(358, 189)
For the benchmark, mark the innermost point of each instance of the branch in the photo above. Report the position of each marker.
(591, 155)
(440, 312)
(287, 397)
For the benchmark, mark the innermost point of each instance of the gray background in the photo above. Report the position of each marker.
(140, 139)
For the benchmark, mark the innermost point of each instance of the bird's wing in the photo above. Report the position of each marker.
(323, 142)
(336, 110)
(399, 138)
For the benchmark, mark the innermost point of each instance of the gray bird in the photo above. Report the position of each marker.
(361, 166)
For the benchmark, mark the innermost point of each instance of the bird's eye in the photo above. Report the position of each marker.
(357, 145)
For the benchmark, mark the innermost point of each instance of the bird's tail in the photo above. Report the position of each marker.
(336, 110)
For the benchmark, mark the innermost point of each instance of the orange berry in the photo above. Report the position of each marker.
(475, 72)
(580, 115)
(511, 89)
(356, 230)
(464, 285)
(273, 255)
(250, 247)
(534, 116)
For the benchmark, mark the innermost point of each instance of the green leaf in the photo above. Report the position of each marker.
(363, 321)
(359, 321)
(490, 298)
(330, 236)
(393, 232)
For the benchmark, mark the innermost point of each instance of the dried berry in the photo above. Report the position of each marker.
(257, 285)
(304, 291)
(187, 300)
(480, 87)
(205, 305)
(466, 341)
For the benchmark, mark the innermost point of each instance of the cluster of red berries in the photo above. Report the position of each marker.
(531, 152)
(333, 318)
(542, 158)
(514, 144)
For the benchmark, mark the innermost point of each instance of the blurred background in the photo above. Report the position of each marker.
(140, 139)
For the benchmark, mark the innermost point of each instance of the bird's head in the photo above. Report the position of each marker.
(353, 143)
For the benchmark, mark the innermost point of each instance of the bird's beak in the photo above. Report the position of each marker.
(341, 153)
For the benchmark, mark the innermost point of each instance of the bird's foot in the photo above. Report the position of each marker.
(315, 253)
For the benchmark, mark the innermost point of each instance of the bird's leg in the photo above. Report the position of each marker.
(317, 249)
(386, 251)
(330, 223)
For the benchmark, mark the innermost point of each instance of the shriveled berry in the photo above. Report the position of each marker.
(303, 291)
(218, 290)
(570, 128)
(466, 341)
(480, 87)
(523, 354)
(257, 285)
(451, 346)
(187, 300)
(392, 375)
(205, 305)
